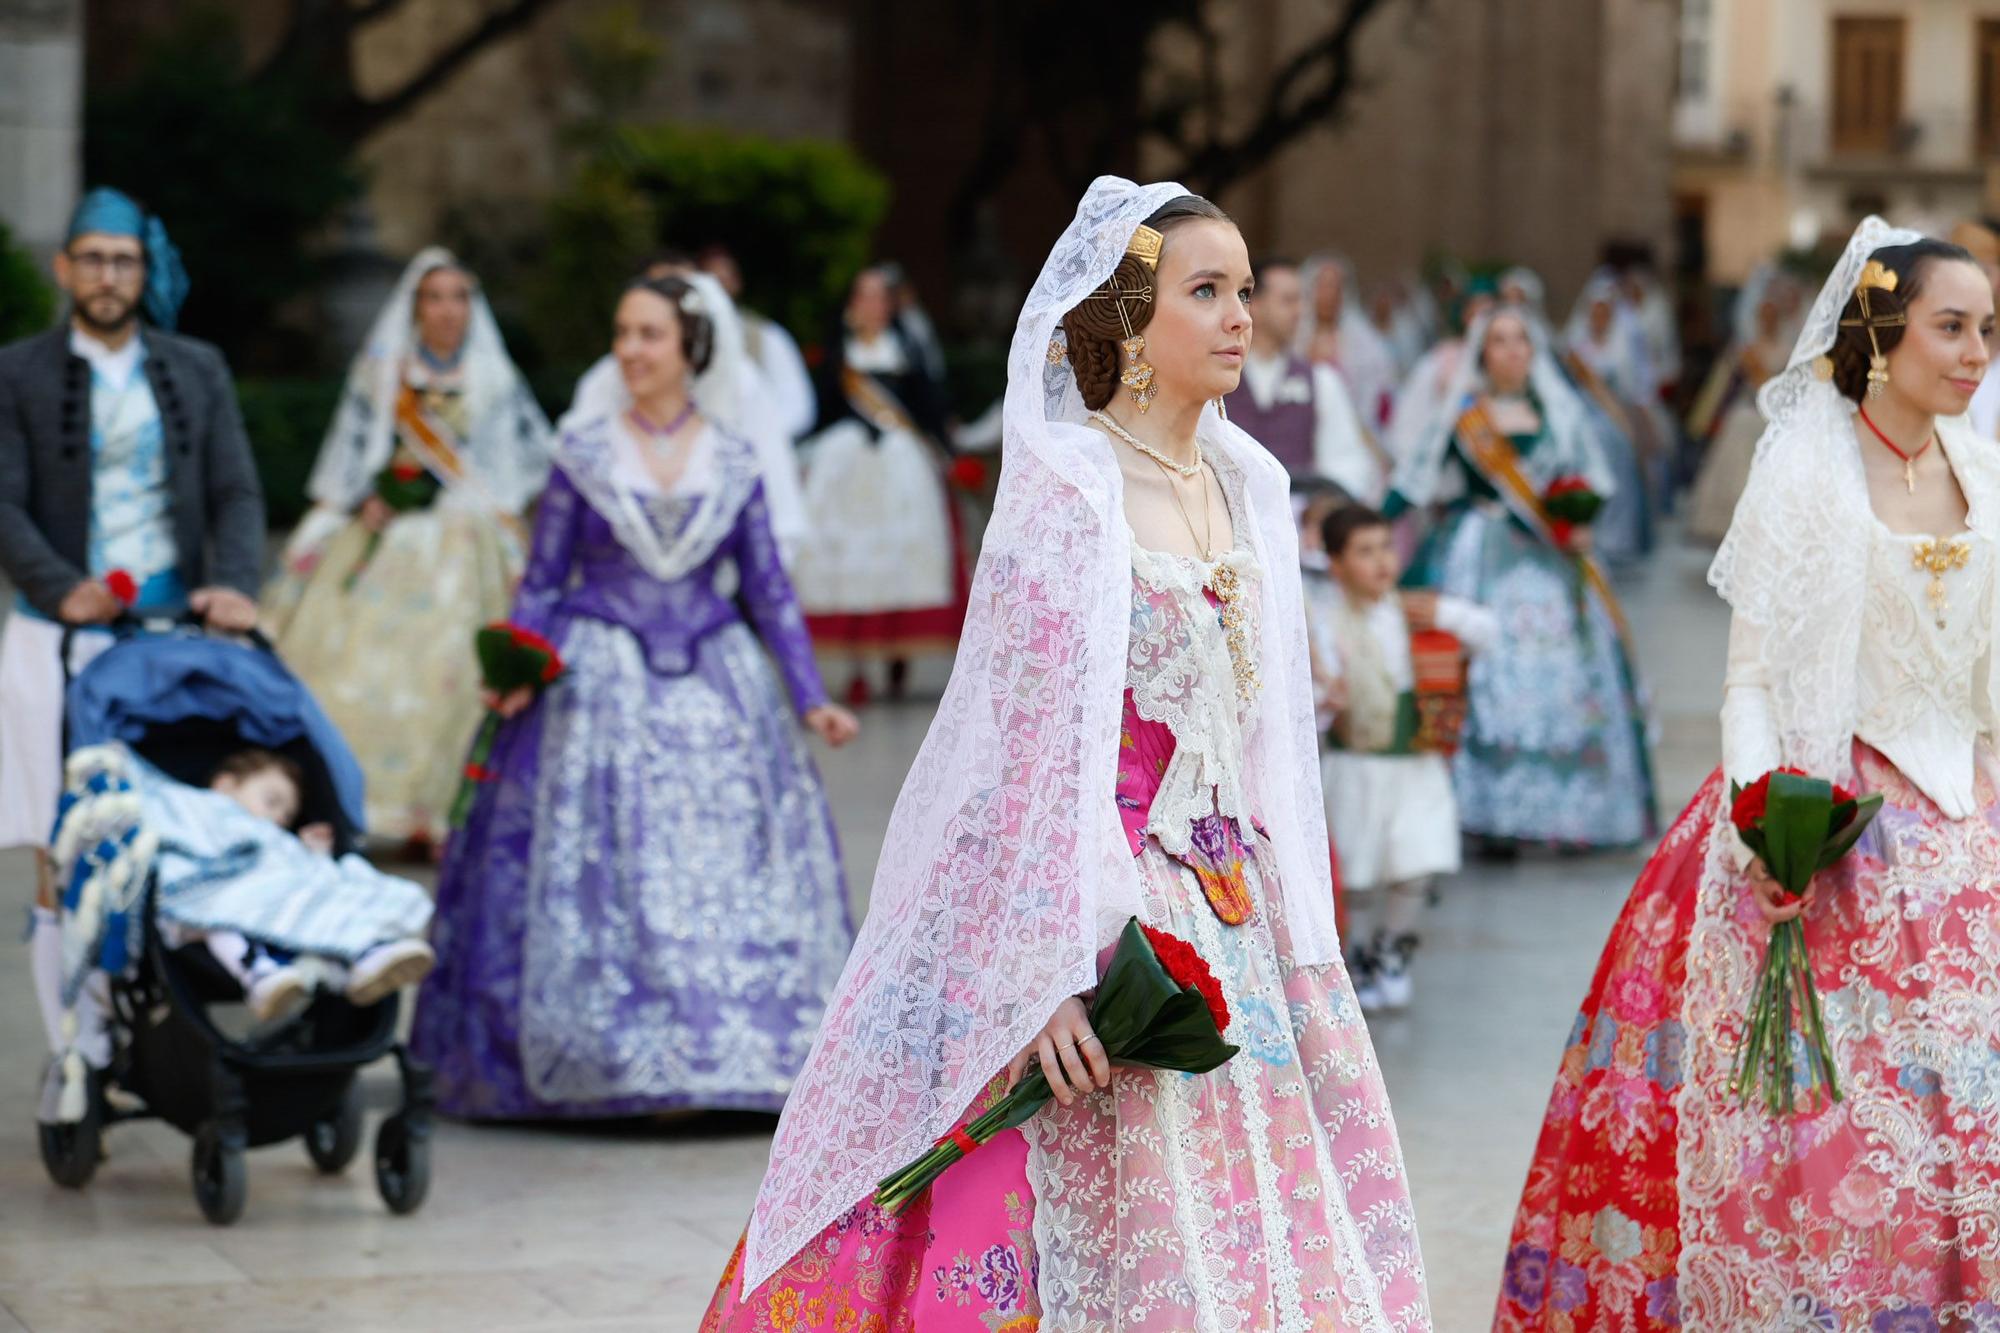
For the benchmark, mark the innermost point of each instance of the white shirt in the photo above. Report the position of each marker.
(1340, 449)
(1472, 624)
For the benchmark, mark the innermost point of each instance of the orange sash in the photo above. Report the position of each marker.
(428, 438)
(874, 402)
(1496, 459)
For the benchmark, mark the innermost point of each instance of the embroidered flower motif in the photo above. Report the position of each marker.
(1636, 996)
(1663, 1301)
(1918, 1080)
(1569, 1286)
(1000, 1276)
(1603, 1041)
(1666, 1048)
(1617, 1237)
(1862, 1198)
(1527, 1276)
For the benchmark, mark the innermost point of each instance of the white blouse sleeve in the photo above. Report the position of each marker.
(1749, 728)
(1476, 627)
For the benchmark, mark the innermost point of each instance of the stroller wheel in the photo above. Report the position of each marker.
(220, 1178)
(71, 1152)
(402, 1165)
(332, 1141)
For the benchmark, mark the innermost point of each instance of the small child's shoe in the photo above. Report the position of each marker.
(279, 994)
(388, 968)
(1364, 970)
(1393, 974)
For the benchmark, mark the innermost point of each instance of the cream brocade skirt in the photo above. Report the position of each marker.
(391, 660)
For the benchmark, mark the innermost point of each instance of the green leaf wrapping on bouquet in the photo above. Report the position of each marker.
(1796, 822)
(1850, 820)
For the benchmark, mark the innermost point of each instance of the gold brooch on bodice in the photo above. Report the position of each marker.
(1228, 589)
(1938, 558)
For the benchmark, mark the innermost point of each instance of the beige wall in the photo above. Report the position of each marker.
(1788, 185)
(1524, 130)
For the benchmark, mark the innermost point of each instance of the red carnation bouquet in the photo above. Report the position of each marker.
(968, 474)
(510, 658)
(123, 586)
(1797, 825)
(1158, 1007)
(404, 486)
(1571, 503)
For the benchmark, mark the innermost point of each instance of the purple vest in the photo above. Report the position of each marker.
(1286, 427)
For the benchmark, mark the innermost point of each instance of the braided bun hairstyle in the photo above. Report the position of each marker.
(1851, 348)
(697, 329)
(1093, 328)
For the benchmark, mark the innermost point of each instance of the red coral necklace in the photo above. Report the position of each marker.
(1909, 460)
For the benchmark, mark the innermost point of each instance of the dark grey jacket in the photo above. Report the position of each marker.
(45, 466)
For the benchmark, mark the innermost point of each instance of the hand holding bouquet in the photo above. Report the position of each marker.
(404, 487)
(1571, 505)
(1797, 826)
(510, 658)
(1158, 1007)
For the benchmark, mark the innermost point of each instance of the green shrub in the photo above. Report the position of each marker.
(286, 419)
(238, 171)
(27, 301)
(799, 215)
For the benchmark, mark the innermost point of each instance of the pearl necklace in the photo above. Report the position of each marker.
(1185, 469)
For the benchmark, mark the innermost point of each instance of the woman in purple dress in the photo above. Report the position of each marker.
(645, 910)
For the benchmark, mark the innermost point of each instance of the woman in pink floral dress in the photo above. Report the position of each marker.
(1128, 732)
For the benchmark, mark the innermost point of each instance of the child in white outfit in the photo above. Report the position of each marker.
(276, 984)
(1388, 787)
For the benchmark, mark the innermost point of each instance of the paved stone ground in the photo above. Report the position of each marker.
(625, 1228)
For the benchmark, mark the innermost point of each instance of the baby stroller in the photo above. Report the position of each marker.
(183, 700)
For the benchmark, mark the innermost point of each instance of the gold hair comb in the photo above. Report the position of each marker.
(1875, 277)
(1145, 246)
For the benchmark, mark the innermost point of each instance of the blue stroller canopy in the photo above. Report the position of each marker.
(151, 680)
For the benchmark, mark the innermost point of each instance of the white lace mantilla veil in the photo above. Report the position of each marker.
(509, 451)
(723, 471)
(1792, 563)
(1004, 869)
(1570, 449)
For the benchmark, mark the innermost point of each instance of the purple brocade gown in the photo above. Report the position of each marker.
(645, 909)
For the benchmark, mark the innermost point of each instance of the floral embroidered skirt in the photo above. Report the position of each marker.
(1657, 1200)
(645, 910)
(1554, 748)
(1268, 1194)
(390, 659)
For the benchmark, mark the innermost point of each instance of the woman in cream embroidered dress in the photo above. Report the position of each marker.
(388, 652)
(1128, 732)
(1863, 593)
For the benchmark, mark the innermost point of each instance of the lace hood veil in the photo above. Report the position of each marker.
(1004, 869)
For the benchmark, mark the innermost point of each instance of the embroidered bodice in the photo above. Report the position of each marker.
(1185, 670)
(1926, 629)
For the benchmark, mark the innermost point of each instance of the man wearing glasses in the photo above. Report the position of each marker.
(125, 479)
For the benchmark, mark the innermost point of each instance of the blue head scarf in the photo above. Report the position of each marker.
(110, 212)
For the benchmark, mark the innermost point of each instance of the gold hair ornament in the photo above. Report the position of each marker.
(1875, 277)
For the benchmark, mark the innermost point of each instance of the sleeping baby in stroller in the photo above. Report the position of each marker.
(276, 909)
(276, 981)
